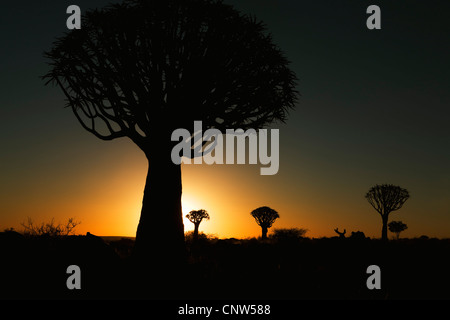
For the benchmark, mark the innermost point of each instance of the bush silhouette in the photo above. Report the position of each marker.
(288, 234)
(49, 229)
(357, 235)
(397, 227)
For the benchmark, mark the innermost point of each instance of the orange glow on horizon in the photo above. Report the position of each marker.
(107, 199)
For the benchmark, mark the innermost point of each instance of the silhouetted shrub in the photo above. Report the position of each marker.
(202, 237)
(49, 229)
(358, 235)
(397, 227)
(288, 234)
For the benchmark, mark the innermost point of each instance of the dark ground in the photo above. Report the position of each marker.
(328, 268)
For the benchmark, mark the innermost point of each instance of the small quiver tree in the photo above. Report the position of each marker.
(264, 217)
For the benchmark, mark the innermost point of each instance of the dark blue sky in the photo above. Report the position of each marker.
(374, 109)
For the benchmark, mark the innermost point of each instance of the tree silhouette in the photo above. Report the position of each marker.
(397, 227)
(264, 217)
(142, 69)
(385, 199)
(196, 217)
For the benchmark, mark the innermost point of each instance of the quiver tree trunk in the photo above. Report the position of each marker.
(384, 229)
(160, 233)
(196, 225)
(264, 233)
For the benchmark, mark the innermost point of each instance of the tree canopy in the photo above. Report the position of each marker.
(265, 216)
(386, 198)
(196, 216)
(134, 65)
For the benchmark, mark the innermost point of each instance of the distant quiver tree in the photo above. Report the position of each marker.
(265, 217)
(384, 199)
(196, 217)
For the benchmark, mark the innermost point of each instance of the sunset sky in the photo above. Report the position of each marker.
(374, 109)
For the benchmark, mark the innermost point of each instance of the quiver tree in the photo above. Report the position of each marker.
(142, 69)
(196, 217)
(264, 217)
(385, 199)
(397, 227)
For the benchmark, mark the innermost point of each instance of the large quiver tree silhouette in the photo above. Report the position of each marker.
(265, 217)
(384, 199)
(142, 69)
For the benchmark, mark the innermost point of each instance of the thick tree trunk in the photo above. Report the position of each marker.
(160, 233)
(264, 233)
(196, 225)
(384, 229)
